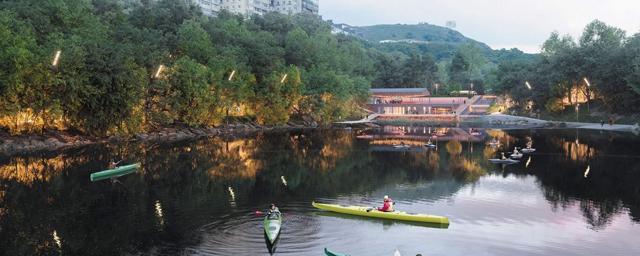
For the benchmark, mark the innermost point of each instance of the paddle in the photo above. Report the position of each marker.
(261, 213)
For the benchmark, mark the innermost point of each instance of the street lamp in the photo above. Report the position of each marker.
(56, 58)
(232, 74)
(470, 89)
(588, 93)
(436, 88)
(577, 112)
(159, 71)
(526, 83)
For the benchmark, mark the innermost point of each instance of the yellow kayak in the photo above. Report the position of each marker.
(373, 213)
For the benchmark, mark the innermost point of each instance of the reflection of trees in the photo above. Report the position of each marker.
(454, 147)
(466, 169)
(462, 167)
(27, 170)
(575, 150)
(189, 182)
(599, 214)
(610, 187)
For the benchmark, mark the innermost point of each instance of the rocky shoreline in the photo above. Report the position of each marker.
(53, 141)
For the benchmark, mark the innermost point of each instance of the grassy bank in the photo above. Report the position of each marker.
(589, 114)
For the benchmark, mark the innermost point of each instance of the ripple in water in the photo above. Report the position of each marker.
(241, 233)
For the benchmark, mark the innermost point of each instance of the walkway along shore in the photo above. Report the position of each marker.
(525, 122)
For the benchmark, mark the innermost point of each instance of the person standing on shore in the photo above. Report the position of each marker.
(601, 123)
(610, 121)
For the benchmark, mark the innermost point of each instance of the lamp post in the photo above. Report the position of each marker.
(588, 93)
(436, 88)
(56, 58)
(526, 83)
(158, 72)
(578, 112)
(529, 105)
(470, 90)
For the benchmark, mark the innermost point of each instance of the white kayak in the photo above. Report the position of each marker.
(528, 150)
(516, 156)
(430, 145)
(503, 161)
(401, 146)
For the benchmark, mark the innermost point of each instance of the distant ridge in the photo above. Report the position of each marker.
(441, 42)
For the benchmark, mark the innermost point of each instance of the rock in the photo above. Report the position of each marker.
(199, 132)
(141, 136)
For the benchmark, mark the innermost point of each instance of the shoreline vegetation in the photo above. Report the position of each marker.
(75, 73)
(53, 141)
(58, 141)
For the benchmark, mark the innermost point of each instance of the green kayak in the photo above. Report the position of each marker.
(330, 253)
(272, 223)
(114, 173)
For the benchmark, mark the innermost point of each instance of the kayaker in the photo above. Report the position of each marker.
(273, 209)
(503, 157)
(387, 206)
(113, 164)
(515, 151)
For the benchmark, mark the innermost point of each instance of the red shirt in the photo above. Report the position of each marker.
(386, 207)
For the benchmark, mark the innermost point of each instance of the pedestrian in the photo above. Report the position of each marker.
(610, 121)
(601, 123)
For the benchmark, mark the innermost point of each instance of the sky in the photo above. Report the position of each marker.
(499, 23)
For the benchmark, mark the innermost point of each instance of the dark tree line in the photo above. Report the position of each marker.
(602, 65)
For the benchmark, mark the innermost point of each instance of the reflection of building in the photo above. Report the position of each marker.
(392, 135)
(418, 101)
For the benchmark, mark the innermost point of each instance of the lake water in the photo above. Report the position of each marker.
(578, 194)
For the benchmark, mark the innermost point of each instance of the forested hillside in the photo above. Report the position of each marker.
(439, 42)
(164, 63)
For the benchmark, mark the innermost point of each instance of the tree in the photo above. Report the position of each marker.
(458, 70)
(191, 95)
(419, 71)
(194, 41)
(276, 97)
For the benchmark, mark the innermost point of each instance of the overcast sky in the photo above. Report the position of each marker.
(499, 23)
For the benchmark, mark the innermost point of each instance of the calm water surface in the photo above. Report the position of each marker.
(579, 194)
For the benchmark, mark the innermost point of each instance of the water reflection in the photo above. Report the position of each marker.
(187, 193)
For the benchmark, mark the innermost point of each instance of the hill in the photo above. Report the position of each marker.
(440, 42)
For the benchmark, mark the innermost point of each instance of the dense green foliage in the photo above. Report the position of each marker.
(130, 69)
(603, 55)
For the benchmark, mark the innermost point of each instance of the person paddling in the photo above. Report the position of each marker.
(273, 209)
(113, 164)
(387, 206)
